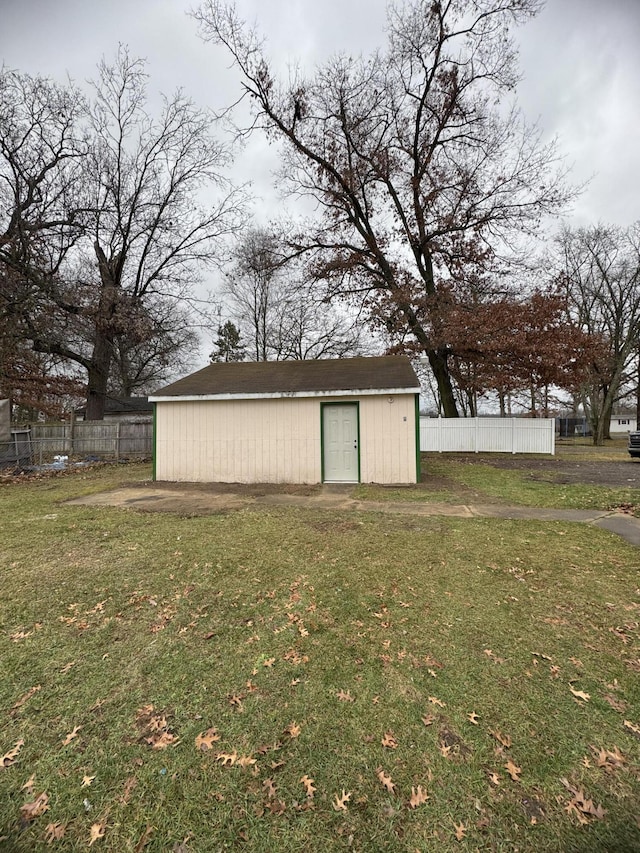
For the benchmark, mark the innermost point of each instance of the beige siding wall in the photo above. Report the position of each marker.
(388, 439)
(278, 441)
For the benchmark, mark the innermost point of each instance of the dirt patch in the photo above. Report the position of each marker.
(623, 474)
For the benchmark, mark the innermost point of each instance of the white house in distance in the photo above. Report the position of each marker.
(622, 422)
(326, 421)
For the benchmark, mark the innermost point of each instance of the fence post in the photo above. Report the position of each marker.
(72, 430)
(477, 427)
(513, 436)
(117, 441)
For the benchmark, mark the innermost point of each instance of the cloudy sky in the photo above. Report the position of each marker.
(580, 61)
(579, 58)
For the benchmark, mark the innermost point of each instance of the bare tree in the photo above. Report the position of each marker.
(274, 298)
(600, 269)
(128, 226)
(419, 166)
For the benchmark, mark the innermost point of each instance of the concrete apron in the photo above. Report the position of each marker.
(151, 499)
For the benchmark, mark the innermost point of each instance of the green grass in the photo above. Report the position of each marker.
(109, 611)
(476, 481)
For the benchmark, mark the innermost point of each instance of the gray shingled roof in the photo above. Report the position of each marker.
(296, 377)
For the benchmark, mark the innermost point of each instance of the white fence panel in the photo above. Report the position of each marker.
(487, 435)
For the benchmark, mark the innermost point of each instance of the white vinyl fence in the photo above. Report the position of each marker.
(488, 435)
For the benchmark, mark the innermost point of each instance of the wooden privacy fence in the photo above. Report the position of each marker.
(488, 435)
(92, 438)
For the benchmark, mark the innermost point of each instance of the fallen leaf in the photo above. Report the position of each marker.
(86, 781)
(145, 838)
(389, 741)
(38, 806)
(513, 770)
(580, 694)
(461, 831)
(97, 831)
(71, 736)
(340, 802)
(385, 780)
(632, 727)
(293, 730)
(505, 740)
(162, 740)
(129, 785)
(269, 662)
(29, 784)
(205, 740)
(435, 701)
(269, 787)
(54, 832)
(418, 797)
(345, 696)
(245, 761)
(428, 719)
(10, 757)
(494, 778)
(473, 718)
(309, 787)
(30, 692)
(227, 759)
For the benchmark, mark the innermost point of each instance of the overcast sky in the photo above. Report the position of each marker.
(580, 61)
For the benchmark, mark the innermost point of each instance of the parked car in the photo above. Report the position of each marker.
(634, 444)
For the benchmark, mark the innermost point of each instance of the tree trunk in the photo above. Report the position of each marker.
(638, 394)
(438, 363)
(98, 377)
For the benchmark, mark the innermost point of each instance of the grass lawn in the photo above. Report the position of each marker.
(280, 679)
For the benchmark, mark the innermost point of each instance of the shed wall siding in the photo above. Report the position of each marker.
(277, 441)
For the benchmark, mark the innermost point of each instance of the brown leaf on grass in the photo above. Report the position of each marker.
(293, 730)
(269, 787)
(494, 778)
(445, 749)
(340, 802)
(29, 785)
(54, 832)
(236, 702)
(435, 701)
(205, 740)
(461, 831)
(269, 662)
(608, 759)
(389, 741)
(617, 704)
(71, 736)
(97, 831)
(277, 807)
(129, 785)
(580, 805)
(345, 696)
(145, 838)
(632, 727)
(504, 740)
(10, 757)
(385, 780)
(38, 806)
(162, 740)
(67, 667)
(86, 781)
(245, 761)
(473, 718)
(309, 787)
(580, 694)
(23, 699)
(428, 719)
(513, 770)
(227, 759)
(418, 797)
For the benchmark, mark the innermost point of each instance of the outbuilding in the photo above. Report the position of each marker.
(326, 421)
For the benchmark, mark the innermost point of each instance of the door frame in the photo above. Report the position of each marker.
(355, 403)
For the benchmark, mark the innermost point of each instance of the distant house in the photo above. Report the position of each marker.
(623, 422)
(327, 421)
(123, 409)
